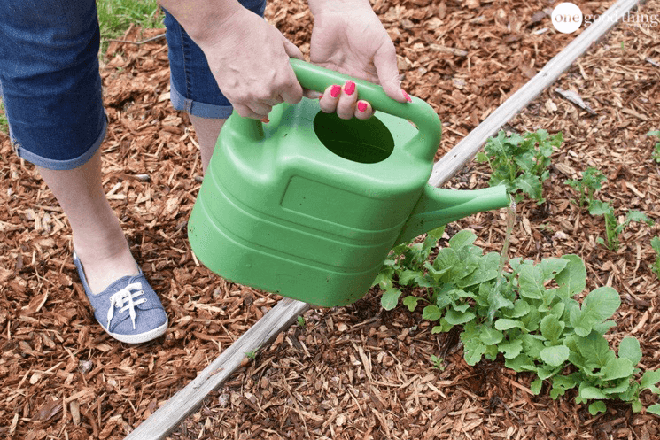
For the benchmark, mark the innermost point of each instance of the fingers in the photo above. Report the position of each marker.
(292, 50)
(363, 110)
(347, 100)
(388, 72)
(330, 99)
(344, 101)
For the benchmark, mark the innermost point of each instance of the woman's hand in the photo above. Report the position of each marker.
(349, 38)
(249, 59)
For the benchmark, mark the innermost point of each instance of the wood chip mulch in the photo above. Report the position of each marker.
(350, 372)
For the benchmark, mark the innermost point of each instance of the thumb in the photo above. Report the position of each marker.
(388, 72)
(291, 49)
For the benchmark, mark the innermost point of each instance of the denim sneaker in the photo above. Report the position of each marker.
(128, 309)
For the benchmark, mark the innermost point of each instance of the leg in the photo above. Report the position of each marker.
(192, 86)
(53, 101)
(97, 236)
(207, 131)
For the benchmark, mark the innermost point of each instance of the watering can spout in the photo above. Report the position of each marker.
(437, 207)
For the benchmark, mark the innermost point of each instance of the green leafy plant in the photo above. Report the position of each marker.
(655, 244)
(529, 317)
(521, 162)
(656, 152)
(613, 229)
(252, 355)
(592, 181)
(437, 362)
(301, 321)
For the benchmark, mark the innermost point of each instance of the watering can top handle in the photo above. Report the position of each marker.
(424, 145)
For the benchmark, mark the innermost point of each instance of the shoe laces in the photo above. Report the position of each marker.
(125, 299)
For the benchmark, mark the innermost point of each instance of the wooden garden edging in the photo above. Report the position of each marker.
(186, 401)
(280, 317)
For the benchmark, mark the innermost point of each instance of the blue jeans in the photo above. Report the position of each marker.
(50, 82)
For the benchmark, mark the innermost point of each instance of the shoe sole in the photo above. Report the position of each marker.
(142, 337)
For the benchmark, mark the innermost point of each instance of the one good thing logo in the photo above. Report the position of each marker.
(567, 18)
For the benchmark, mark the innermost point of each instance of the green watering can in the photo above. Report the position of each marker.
(308, 205)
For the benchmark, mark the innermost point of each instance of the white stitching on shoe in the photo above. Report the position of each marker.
(125, 296)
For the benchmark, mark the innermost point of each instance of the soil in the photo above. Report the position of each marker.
(347, 372)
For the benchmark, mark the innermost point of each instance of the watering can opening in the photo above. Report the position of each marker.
(366, 142)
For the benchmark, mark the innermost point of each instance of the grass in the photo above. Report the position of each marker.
(115, 16)
(4, 125)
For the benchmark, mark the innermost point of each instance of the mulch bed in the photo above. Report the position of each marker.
(349, 372)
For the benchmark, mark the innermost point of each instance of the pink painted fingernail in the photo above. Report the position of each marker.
(362, 106)
(406, 95)
(349, 88)
(335, 91)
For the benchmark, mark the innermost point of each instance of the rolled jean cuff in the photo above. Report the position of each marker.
(67, 164)
(199, 109)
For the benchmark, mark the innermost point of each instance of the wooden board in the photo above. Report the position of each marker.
(188, 399)
(465, 150)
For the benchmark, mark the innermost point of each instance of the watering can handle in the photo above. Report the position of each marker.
(424, 145)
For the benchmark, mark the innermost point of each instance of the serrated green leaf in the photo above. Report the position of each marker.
(551, 327)
(556, 355)
(390, 299)
(531, 320)
(491, 352)
(595, 350)
(473, 352)
(621, 386)
(552, 266)
(487, 270)
(629, 348)
(649, 380)
(573, 278)
(617, 369)
(490, 336)
(546, 372)
(481, 157)
(431, 312)
(411, 302)
(496, 302)
(637, 216)
(590, 392)
(521, 363)
(520, 308)
(598, 305)
(455, 318)
(437, 329)
(597, 407)
(529, 184)
(530, 281)
(655, 244)
(511, 349)
(653, 409)
(462, 308)
(436, 233)
(561, 383)
(461, 239)
(598, 207)
(507, 324)
(408, 277)
(557, 310)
